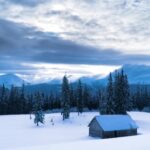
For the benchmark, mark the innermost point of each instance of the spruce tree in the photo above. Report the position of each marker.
(117, 96)
(128, 101)
(12, 101)
(79, 97)
(39, 115)
(3, 100)
(22, 100)
(139, 96)
(110, 96)
(72, 97)
(86, 96)
(121, 93)
(102, 101)
(65, 98)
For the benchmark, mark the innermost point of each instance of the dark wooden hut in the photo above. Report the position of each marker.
(109, 126)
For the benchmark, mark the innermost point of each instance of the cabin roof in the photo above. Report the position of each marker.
(115, 122)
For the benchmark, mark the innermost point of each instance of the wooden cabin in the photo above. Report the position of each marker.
(110, 126)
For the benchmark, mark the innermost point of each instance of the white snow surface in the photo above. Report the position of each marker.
(116, 122)
(18, 132)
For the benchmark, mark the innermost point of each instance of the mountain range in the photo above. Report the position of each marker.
(136, 74)
(11, 79)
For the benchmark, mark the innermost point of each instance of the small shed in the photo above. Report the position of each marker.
(109, 126)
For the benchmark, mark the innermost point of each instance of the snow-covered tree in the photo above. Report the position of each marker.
(79, 97)
(65, 98)
(110, 96)
(102, 101)
(72, 97)
(121, 93)
(39, 117)
(39, 114)
(86, 95)
(3, 100)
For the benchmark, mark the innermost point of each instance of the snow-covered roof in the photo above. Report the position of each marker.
(116, 122)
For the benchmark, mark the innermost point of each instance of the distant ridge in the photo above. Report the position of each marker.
(136, 74)
(11, 79)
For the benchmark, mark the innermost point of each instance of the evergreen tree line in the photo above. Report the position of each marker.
(119, 97)
(16, 101)
(79, 97)
(116, 98)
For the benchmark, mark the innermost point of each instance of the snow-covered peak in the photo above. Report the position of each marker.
(11, 79)
(137, 73)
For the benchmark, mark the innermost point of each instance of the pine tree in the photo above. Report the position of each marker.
(125, 103)
(116, 92)
(102, 102)
(30, 104)
(13, 98)
(128, 101)
(72, 97)
(79, 97)
(65, 98)
(86, 96)
(39, 115)
(145, 96)
(141, 97)
(22, 100)
(121, 93)
(3, 100)
(110, 96)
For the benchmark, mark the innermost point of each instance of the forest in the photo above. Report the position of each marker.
(117, 97)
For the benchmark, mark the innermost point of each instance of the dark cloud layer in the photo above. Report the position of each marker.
(19, 43)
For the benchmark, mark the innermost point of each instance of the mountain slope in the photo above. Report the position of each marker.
(43, 88)
(10, 79)
(136, 74)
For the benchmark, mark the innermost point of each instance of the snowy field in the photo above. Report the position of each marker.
(17, 132)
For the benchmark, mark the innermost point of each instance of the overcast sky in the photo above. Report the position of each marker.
(43, 39)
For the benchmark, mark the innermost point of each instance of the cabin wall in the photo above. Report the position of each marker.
(132, 132)
(108, 134)
(95, 130)
(127, 132)
(121, 133)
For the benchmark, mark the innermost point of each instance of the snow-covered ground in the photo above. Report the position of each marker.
(17, 132)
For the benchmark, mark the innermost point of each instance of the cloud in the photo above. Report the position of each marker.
(120, 25)
(30, 3)
(46, 72)
(68, 32)
(21, 43)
